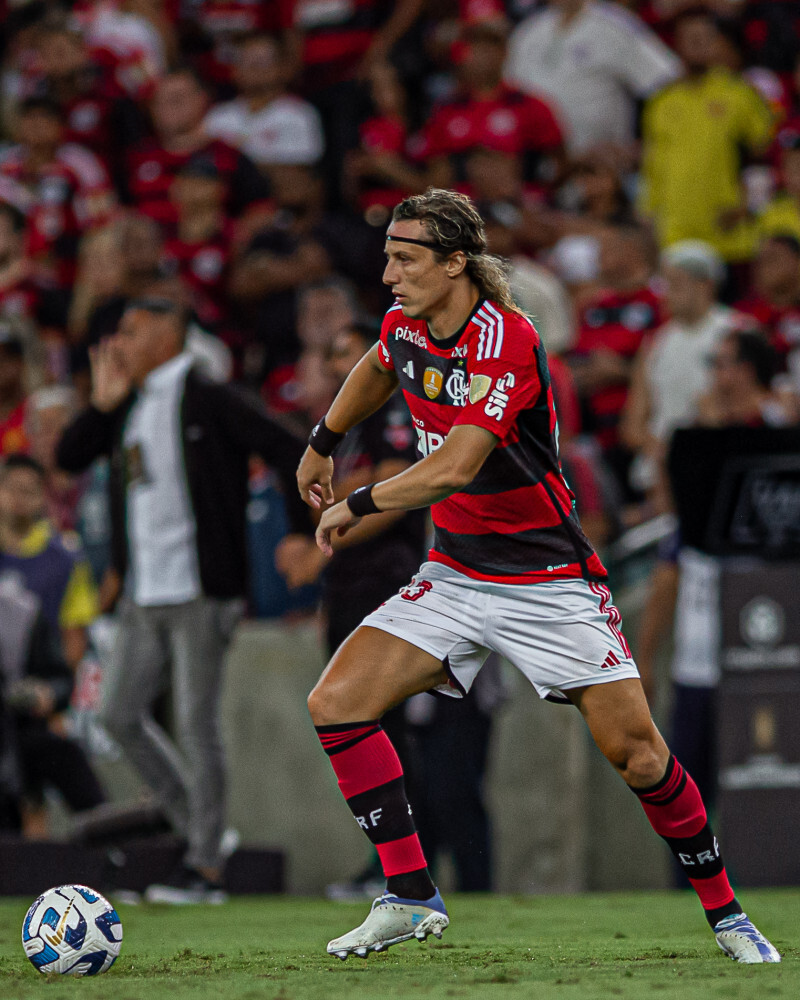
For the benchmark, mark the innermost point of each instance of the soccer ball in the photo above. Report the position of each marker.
(72, 930)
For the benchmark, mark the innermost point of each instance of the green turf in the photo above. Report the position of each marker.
(627, 945)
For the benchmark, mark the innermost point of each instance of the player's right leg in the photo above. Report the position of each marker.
(369, 674)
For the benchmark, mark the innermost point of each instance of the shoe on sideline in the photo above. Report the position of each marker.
(185, 887)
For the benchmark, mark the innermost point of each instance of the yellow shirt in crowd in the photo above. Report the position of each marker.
(693, 132)
(781, 217)
(79, 604)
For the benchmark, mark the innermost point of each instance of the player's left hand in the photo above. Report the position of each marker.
(339, 519)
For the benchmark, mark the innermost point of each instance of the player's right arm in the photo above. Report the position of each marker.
(369, 385)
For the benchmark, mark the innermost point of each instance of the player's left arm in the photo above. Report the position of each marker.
(443, 472)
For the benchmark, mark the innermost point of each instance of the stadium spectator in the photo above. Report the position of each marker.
(694, 133)
(179, 447)
(35, 685)
(43, 561)
(49, 410)
(769, 30)
(592, 196)
(782, 214)
(302, 244)
(381, 170)
(487, 113)
(336, 47)
(13, 392)
(612, 326)
(178, 108)
(68, 187)
(199, 248)
(99, 279)
(135, 38)
(98, 111)
(593, 61)
(212, 30)
(774, 302)
(19, 296)
(740, 393)
(271, 126)
(686, 582)
(670, 373)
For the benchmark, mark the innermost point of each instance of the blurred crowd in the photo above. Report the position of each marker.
(637, 165)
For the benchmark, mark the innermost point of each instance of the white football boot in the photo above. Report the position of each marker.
(390, 921)
(739, 939)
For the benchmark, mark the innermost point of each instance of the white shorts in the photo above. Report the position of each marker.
(561, 634)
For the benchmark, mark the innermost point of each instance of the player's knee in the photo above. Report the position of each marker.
(321, 706)
(333, 701)
(640, 763)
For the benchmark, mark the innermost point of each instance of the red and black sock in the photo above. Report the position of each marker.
(371, 779)
(676, 812)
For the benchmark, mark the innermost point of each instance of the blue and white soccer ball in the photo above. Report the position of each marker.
(72, 930)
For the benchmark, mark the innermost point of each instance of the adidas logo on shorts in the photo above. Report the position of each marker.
(612, 660)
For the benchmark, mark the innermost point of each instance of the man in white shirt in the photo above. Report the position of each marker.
(592, 60)
(179, 446)
(673, 371)
(266, 123)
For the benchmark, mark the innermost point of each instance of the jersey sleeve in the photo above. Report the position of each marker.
(504, 376)
(384, 354)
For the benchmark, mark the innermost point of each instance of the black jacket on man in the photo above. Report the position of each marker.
(221, 426)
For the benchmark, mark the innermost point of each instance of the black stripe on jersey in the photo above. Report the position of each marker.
(517, 552)
(510, 467)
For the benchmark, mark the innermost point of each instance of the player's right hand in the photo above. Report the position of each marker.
(314, 479)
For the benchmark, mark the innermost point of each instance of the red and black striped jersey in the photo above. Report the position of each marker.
(515, 522)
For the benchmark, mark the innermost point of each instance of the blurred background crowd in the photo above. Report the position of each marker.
(637, 163)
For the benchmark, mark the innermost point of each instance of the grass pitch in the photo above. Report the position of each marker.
(554, 948)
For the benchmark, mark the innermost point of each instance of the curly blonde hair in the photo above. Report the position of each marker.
(453, 223)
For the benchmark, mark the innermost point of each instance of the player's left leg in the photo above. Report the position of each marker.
(619, 720)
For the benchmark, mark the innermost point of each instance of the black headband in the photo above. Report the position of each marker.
(422, 243)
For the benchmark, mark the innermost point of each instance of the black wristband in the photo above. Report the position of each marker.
(323, 440)
(361, 503)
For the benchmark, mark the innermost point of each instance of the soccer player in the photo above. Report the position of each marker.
(510, 570)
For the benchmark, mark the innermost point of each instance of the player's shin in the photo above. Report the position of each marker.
(371, 779)
(676, 812)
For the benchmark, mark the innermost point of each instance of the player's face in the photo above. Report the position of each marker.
(420, 282)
